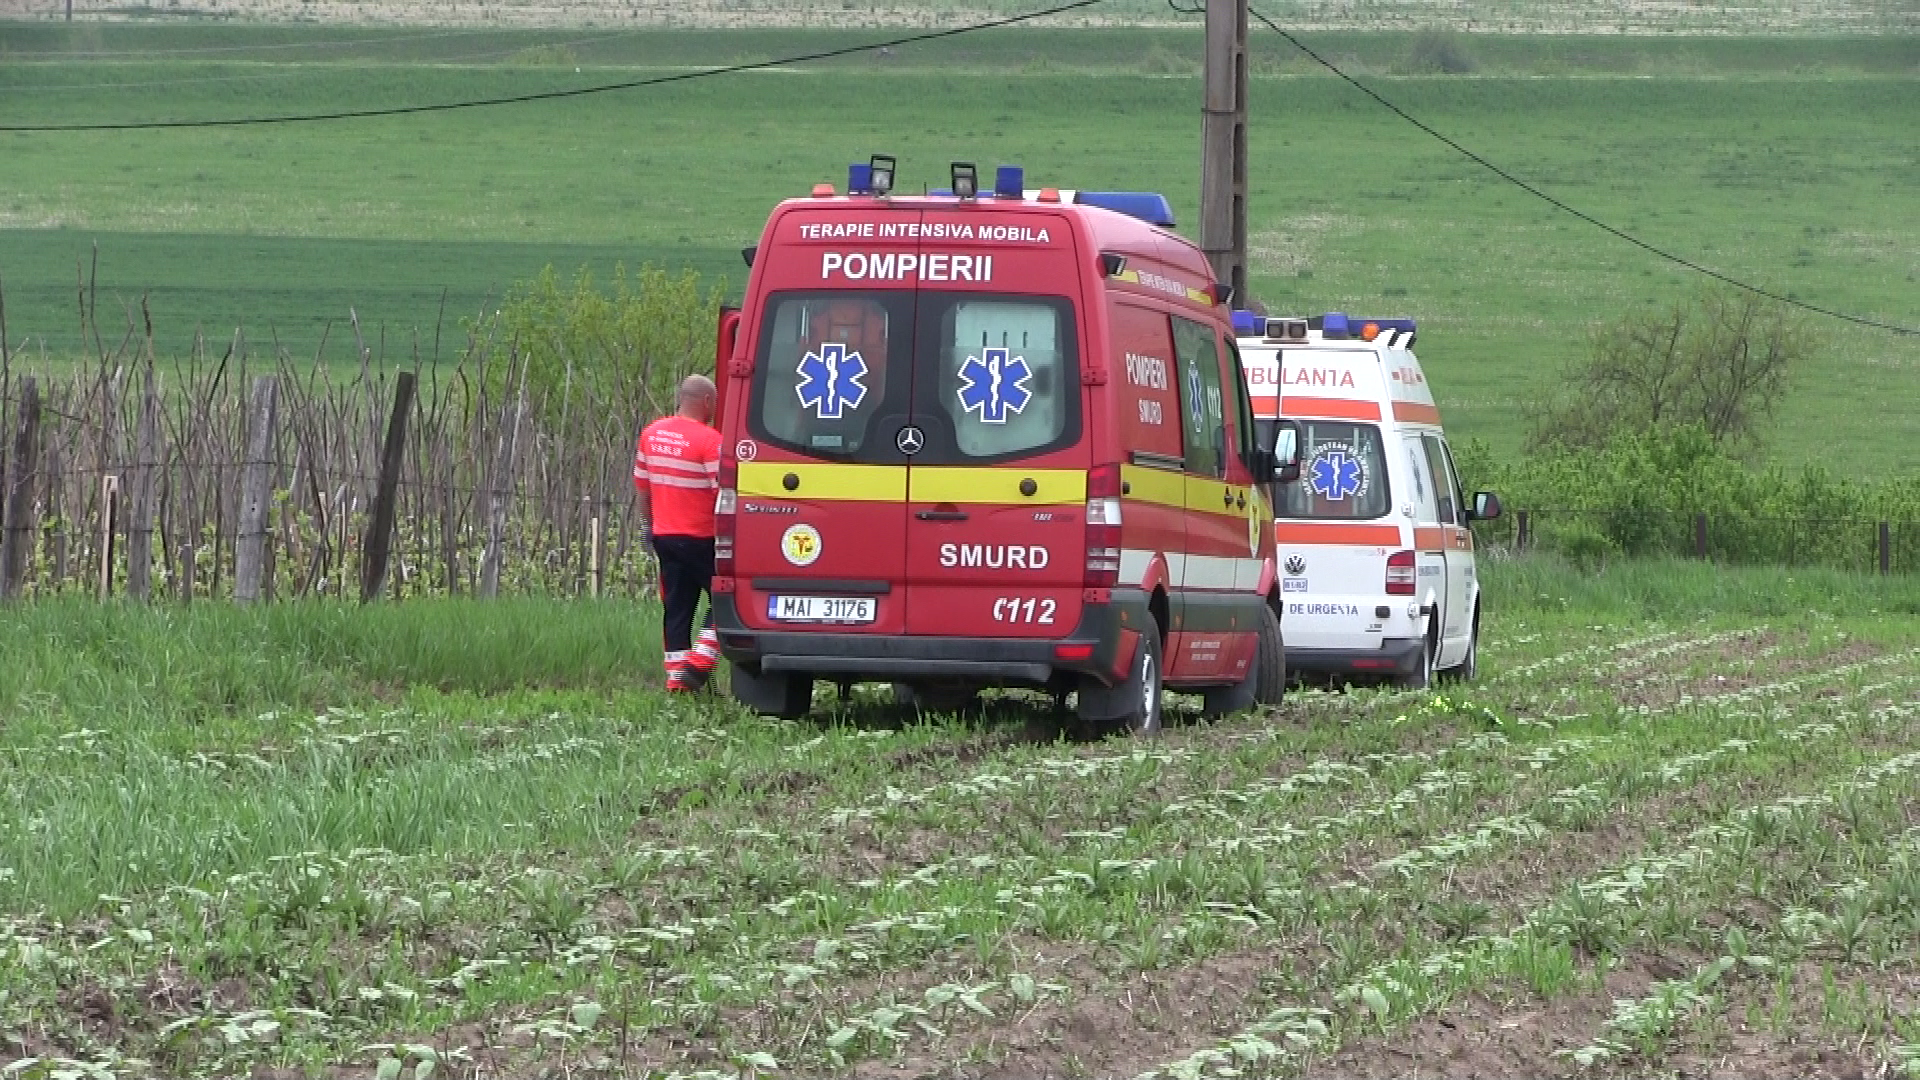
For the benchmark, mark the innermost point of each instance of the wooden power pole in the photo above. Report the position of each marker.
(1223, 146)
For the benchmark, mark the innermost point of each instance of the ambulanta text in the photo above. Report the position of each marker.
(905, 266)
(994, 556)
(1305, 376)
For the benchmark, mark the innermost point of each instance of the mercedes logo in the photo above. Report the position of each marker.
(1296, 565)
(910, 440)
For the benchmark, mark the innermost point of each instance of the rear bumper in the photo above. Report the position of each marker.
(1395, 656)
(1093, 648)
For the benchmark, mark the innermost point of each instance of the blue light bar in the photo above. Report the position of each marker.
(1009, 182)
(1387, 324)
(1149, 206)
(859, 178)
(1333, 324)
(1247, 323)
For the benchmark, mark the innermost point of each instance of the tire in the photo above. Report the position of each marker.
(1468, 669)
(1266, 678)
(1144, 718)
(1273, 660)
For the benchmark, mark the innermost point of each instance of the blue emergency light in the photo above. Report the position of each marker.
(1335, 324)
(859, 178)
(1149, 206)
(1009, 182)
(1246, 323)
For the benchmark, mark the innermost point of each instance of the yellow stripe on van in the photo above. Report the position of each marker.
(872, 483)
(1162, 486)
(999, 484)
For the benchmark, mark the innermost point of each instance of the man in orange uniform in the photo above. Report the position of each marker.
(676, 469)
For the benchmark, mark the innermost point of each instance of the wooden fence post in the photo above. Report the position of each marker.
(256, 492)
(140, 513)
(499, 493)
(1886, 548)
(1523, 531)
(109, 530)
(593, 571)
(378, 541)
(23, 468)
(1700, 535)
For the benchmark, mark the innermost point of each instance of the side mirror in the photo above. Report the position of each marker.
(1486, 506)
(1286, 452)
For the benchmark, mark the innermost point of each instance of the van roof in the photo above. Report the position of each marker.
(1106, 230)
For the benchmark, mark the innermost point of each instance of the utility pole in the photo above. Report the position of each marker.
(1223, 146)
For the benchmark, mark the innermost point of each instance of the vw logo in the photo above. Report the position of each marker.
(1296, 565)
(910, 440)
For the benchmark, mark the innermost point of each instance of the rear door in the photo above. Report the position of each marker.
(821, 523)
(995, 530)
(1336, 526)
(1430, 536)
(1457, 620)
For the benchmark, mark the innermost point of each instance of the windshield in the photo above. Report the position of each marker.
(985, 377)
(1343, 473)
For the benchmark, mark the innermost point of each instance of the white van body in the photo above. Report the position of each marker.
(1375, 553)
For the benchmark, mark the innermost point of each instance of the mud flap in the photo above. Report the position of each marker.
(1232, 699)
(1097, 703)
(784, 695)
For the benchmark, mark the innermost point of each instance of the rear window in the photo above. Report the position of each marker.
(985, 377)
(1004, 367)
(826, 372)
(1343, 473)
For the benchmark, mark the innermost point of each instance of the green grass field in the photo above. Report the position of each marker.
(1787, 161)
(298, 840)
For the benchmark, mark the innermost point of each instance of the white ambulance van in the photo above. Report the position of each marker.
(1376, 558)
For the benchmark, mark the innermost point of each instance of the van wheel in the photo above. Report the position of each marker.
(1273, 660)
(936, 697)
(1143, 717)
(1422, 677)
(1265, 680)
(1468, 669)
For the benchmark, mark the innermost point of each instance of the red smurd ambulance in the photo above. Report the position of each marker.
(991, 438)
(1377, 568)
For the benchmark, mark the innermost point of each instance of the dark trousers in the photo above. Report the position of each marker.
(686, 571)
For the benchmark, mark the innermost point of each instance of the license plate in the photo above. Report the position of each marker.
(823, 609)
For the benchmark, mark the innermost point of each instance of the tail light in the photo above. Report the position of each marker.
(726, 504)
(1400, 574)
(1103, 527)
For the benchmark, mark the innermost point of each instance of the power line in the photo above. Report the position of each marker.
(1557, 204)
(551, 95)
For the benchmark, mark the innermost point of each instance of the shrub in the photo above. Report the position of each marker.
(624, 349)
(1439, 51)
(1717, 361)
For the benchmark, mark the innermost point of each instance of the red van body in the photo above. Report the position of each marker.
(1002, 441)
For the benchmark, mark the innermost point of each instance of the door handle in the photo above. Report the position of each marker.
(1226, 498)
(941, 515)
(1240, 501)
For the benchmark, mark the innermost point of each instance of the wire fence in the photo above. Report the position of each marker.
(131, 479)
(214, 481)
(1846, 543)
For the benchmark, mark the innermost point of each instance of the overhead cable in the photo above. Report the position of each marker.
(552, 95)
(1622, 234)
